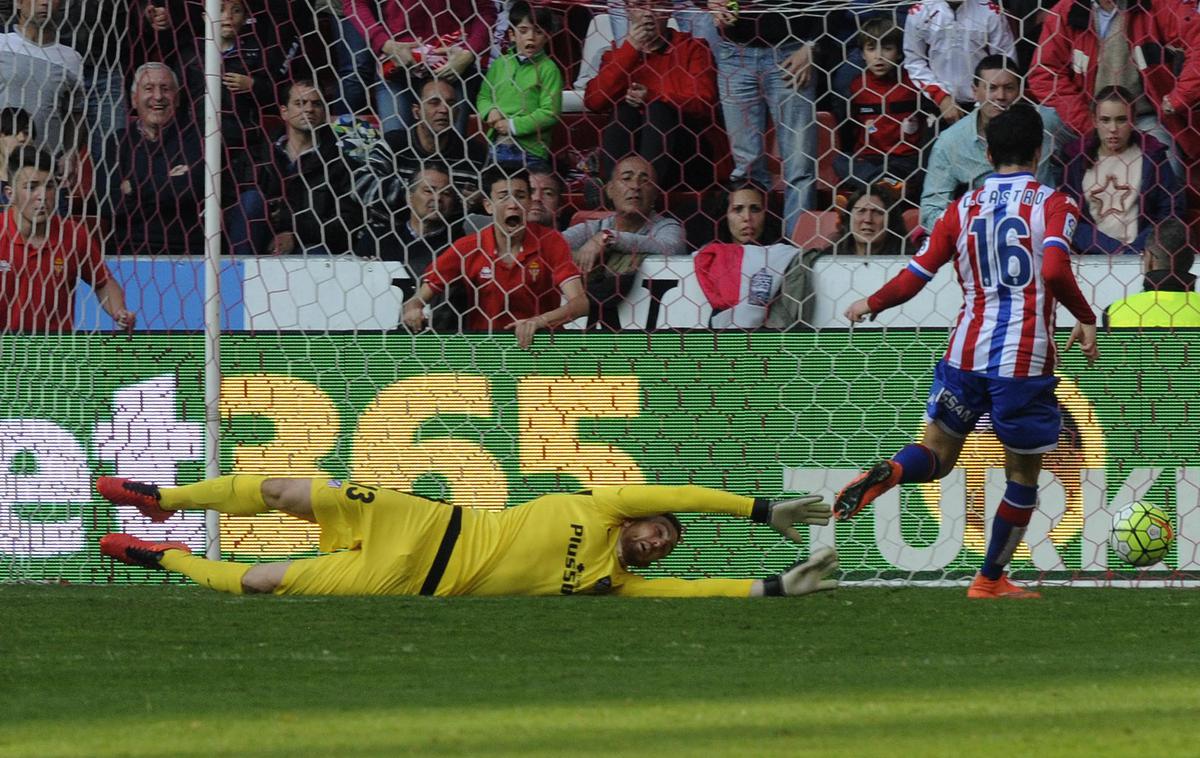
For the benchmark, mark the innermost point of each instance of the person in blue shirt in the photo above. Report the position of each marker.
(958, 160)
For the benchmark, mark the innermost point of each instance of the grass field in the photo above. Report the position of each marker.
(179, 671)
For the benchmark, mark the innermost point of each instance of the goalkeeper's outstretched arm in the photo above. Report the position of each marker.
(642, 500)
(813, 575)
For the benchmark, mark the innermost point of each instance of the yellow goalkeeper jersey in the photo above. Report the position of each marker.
(566, 543)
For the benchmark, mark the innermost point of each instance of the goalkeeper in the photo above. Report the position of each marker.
(392, 543)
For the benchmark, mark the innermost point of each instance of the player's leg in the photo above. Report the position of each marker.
(1026, 419)
(954, 406)
(224, 576)
(237, 495)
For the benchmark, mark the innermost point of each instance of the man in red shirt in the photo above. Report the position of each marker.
(660, 85)
(42, 256)
(515, 272)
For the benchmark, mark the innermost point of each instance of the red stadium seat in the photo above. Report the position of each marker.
(816, 230)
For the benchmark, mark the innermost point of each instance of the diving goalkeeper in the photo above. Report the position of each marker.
(393, 543)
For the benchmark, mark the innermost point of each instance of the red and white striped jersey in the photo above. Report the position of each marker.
(1000, 237)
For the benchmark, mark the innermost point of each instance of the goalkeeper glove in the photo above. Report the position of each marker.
(782, 515)
(804, 578)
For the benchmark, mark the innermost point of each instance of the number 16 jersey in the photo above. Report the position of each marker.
(1004, 238)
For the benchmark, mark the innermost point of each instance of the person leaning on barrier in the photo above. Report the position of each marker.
(742, 273)
(516, 272)
(42, 256)
(609, 250)
(545, 203)
(1168, 297)
(871, 224)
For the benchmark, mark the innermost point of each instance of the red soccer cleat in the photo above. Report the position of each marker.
(137, 552)
(1003, 588)
(867, 486)
(144, 497)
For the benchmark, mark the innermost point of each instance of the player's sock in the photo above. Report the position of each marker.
(1008, 527)
(917, 464)
(222, 576)
(237, 495)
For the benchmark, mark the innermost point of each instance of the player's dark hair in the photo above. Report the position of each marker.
(496, 173)
(522, 11)
(14, 121)
(995, 62)
(1015, 136)
(1169, 248)
(882, 31)
(1113, 93)
(28, 156)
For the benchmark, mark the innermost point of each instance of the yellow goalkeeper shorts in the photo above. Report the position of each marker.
(387, 540)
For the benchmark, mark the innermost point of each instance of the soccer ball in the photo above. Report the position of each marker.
(1141, 534)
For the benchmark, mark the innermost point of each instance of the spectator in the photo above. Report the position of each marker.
(518, 271)
(420, 231)
(521, 97)
(42, 255)
(660, 86)
(352, 60)
(742, 278)
(174, 32)
(545, 203)
(413, 38)
(1086, 46)
(16, 130)
(609, 250)
(1121, 179)
(154, 172)
(958, 160)
(888, 126)
(872, 223)
(1168, 297)
(42, 75)
(102, 32)
(314, 208)
(247, 90)
(764, 64)
(747, 221)
(943, 42)
(403, 152)
(687, 15)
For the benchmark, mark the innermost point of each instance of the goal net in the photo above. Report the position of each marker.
(728, 179)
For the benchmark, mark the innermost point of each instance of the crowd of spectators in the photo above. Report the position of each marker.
(364, 128)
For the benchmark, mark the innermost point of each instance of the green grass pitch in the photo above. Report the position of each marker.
(179, 671)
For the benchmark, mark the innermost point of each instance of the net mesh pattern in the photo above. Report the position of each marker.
(727, 178)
